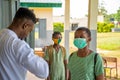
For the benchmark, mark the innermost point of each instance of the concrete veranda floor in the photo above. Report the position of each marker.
(30, 76)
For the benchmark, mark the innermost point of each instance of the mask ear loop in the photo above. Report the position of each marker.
(25, 26)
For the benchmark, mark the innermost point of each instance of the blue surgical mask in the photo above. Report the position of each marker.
(80, 43)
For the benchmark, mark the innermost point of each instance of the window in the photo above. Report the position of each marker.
(74, 26)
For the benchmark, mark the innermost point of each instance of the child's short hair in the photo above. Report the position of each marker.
(85, 29)
(56, 33)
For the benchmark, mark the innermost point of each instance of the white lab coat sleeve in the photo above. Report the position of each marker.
(26, 57)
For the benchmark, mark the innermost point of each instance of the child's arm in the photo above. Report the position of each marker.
(65, 64)
(68, 75)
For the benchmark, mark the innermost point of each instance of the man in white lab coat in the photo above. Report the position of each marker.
(16, 56)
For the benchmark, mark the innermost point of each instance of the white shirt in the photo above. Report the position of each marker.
(16, 57)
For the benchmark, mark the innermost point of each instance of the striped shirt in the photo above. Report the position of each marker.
(82, 68)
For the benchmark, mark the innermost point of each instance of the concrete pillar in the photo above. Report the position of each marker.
(67, 25)
(92, 22)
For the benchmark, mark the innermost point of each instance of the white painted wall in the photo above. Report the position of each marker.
(45, 13)
(100, 18)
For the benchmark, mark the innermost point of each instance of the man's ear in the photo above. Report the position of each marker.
(24, 26)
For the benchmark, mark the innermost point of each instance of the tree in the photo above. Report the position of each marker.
(101, 9)
(110, 18)
(118, 15)
(58, 27)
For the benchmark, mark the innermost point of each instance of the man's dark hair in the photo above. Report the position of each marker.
(25, 13)
(85, 29)
(56, 33)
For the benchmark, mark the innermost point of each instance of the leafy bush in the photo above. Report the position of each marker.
(58, 27)
(104, 27)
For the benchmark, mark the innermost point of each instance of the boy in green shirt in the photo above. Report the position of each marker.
(57, 59)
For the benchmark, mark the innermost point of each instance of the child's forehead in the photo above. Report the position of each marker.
(80, 32)
(57, 35)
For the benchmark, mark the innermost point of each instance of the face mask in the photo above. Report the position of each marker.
(56, 41)
(80, 43)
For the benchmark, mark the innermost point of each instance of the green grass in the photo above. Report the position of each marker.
(108, 41)
(113, 53)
